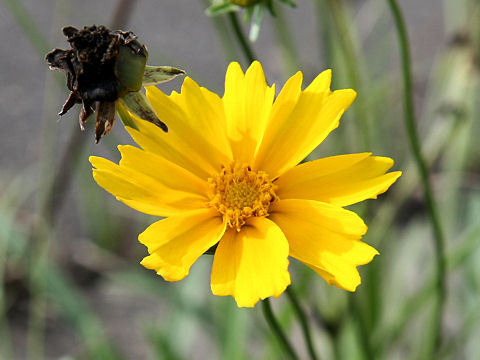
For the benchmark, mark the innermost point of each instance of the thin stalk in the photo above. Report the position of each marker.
(422, 169)
(352, 67)
(285, 41)
(242, 40)
(277, 330)
(220, 25)
(122, 13)
(27, 25)
(362, 329)
(48, 199)
(41, 234)
(5, 342)
(303, 322)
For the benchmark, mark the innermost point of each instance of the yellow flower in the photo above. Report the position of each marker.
(226, 174)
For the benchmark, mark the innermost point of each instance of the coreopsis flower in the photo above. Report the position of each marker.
(226, 177)
(107, 68)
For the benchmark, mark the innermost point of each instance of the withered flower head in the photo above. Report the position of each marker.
(107, 68)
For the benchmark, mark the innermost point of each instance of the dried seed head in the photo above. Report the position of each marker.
(101, 66)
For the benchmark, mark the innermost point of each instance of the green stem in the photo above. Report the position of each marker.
(277, 330)
(285, 41)
(27, 25)
(362, 328)
(247, 50)
(220, 25)
(422, 169)
(350, 58)
(303, 321)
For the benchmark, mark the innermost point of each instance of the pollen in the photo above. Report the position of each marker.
(238, 193)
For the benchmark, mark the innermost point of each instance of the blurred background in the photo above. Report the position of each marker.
(72, 286)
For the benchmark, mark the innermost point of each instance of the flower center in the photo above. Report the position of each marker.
(238, 193)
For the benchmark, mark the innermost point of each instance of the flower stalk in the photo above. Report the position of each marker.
(422, 168)
(302, 318)
(277, 330)
(246, 48)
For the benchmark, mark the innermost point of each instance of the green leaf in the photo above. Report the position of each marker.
(138, 104)
(159, 74)
(219, 9)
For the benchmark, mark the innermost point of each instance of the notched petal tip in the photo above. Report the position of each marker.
(233, 68)
(92, 159)
(255, 66)
(321, 83)
(99, 162)
(348, 93)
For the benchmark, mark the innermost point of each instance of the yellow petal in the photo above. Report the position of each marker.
(340, 180)
(162, 170)
(247, 102)
(175, 243)
(251, 264)
(185, 144)
(152, 141)
(141, 191)
(321, 83)
(326, 238)
(298, 124)
(205, 113)
(282, 109)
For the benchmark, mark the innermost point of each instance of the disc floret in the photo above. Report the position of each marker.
(238, 193)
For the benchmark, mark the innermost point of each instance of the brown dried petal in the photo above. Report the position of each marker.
(87, 111)
(72, 99)
(105, 119)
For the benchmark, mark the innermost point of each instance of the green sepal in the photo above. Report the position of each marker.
(137, 103)
(223, 8)
(158, 74)
(129, 69)
(124, 115)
